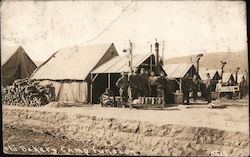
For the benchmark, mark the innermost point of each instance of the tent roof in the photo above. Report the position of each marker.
(74, 63)
(177, 70)
(119, 64)
(7, 52)
(203, 73)
(226, 77)
(239, 77)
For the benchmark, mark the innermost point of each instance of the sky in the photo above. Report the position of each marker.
(186, 27)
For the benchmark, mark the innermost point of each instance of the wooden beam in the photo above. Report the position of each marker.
(93, 79)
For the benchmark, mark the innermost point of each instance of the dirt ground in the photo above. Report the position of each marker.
(194, 129)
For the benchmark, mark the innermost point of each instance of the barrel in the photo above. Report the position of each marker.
(178, 98)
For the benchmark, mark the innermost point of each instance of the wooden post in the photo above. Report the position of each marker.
(180, 84)
(109, 80)
(151, 57)
(91, 89)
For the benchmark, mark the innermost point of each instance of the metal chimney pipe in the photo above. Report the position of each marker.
(198, 62)
(157, 57)
(236, 74)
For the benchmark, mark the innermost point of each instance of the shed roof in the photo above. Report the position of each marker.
(119, 64)
(74, 63)
(177, 70)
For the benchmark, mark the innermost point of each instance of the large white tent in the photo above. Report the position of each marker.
(68, 70)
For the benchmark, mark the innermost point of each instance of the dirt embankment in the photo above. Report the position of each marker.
(142, 137)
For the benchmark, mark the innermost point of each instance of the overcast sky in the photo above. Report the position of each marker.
(187, 27)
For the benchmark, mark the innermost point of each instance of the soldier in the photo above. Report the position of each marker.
(152, 84)
(122, 83)
(242, 87)
(208, 88)
(195, 86)
(144, 83)
(161, 86)
(186, 86)
(135, 84)
(107, 98)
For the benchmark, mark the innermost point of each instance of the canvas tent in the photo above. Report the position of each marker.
(226, 77)
(176, 72)
(214, 74)
(110, 72)
(68, 70)
(15, 64)
(240, 75)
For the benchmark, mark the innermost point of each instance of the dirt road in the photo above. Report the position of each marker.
(173, 131)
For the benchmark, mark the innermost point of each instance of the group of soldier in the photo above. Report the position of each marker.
(141, 85)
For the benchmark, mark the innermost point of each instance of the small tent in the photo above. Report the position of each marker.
(226, 77)
(15, 64)
(68, 70)
(214, 74)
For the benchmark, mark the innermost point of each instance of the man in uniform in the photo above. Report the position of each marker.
(144, 83)
(122, 83)
(135, 84)
(186, 86)
(161, 87)
(152, 84)
(208, 88)
(242, 87)
(195, 86)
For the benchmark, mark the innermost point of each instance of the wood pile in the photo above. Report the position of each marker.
(28, 93)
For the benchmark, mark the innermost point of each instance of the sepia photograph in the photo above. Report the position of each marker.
(124, 78)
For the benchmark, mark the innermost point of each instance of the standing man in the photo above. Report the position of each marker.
(242, 87)
(218, 88)
(186, 86)
(152, 84)
(161, 87)
(135, 84)
(144, 83)
(195, 86)
(208, 88)
(122, 83)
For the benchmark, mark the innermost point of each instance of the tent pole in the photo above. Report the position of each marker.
(91, 90)
(109, 80)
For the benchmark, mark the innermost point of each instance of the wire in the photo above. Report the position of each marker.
(109, 25)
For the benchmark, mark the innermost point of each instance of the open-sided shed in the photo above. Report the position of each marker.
(69, 70)
(106, 75)
(15, 64)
